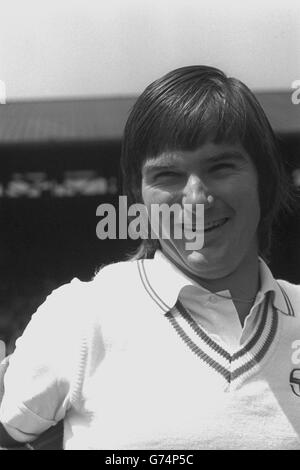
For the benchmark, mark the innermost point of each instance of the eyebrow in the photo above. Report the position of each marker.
(167, 161)
(163, 161)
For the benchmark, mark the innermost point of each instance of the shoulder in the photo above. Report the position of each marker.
(120, 272)
(290, 288)
(292, 292)
(117, 285)
(76, 302)
(77, 293)
(78, 310)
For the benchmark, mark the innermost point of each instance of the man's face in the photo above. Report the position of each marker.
(224, 171)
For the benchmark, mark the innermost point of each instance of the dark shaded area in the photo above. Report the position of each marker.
(47, 241)
(285, 255)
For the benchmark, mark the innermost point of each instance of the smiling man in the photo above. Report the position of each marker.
(176, 348)
(225, 174)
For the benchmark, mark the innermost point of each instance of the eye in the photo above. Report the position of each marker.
(168, 174)
(223, 166)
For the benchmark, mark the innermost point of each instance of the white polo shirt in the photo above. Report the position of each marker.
(142, 358)
(215, 313)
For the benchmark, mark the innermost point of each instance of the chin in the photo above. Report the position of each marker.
(205, 267)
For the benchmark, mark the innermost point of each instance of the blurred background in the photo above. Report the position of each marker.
(70, 71)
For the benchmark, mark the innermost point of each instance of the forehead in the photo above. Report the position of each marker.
(206, 154)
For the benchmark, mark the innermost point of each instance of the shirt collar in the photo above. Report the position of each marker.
(269, 284)
(164, 281)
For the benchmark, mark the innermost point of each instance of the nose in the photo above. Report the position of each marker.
(195, 191)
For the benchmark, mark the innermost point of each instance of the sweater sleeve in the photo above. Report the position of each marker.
(44, 370)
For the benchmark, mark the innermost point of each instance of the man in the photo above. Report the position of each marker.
(177, 348)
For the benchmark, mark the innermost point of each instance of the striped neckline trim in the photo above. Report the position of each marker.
(144, 278)
(231, 366)
(290, 308)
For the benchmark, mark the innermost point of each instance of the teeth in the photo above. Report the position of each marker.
(215, 224)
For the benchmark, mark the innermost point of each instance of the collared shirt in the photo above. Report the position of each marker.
(215, 314)
(127, 368)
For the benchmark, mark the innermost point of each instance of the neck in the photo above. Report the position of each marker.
(243, 285)
(243, 282)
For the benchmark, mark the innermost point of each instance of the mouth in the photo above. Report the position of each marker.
(215, 224)
(209, 227)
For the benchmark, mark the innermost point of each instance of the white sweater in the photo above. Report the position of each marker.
(127, 371)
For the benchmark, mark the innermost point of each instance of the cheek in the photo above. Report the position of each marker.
(241, 194)
(246, 201)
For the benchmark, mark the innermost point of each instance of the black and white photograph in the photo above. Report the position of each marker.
(150, 227)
